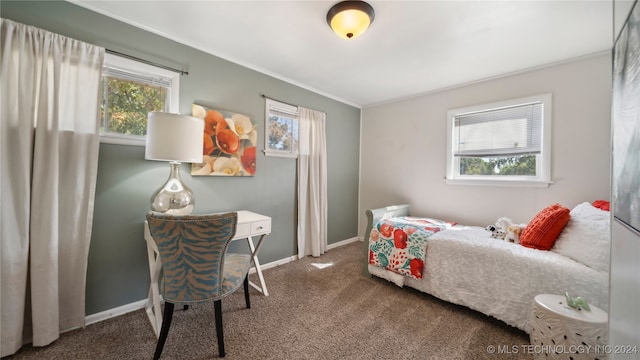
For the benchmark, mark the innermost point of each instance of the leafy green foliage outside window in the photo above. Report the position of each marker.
(126, 104)
(523, 165)
(505, 143)
(283, 133)
(281, 129)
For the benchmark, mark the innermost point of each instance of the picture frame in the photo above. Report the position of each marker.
(626, 124)
(230, 142)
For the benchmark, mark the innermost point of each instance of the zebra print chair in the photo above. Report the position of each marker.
(196, 265)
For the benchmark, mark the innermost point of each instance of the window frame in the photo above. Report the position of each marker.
(143, 70)
(543, 160)
(285, 108)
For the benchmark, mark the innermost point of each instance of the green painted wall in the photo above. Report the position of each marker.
(118, 271)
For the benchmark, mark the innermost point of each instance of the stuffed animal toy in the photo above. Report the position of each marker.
(499, 230)
(503, 224)
(505, 229)
(513, 233)
(495, 232)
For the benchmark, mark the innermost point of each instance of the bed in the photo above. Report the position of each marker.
(464, 265)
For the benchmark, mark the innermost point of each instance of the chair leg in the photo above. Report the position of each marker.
(246, 292)
(218, 312)
(164, 331)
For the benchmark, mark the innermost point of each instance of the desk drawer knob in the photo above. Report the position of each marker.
(259, 227)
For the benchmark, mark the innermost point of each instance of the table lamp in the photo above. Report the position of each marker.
(174, 138)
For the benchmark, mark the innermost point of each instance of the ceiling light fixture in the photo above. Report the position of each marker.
(350, 19)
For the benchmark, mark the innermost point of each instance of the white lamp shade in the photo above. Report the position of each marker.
(174, 137)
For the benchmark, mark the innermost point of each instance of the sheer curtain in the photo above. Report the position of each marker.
(312, 183)
(49, 154)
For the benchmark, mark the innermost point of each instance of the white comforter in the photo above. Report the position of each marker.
(465, 266)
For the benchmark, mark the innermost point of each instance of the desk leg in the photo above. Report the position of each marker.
(254, 256)
(153, 309)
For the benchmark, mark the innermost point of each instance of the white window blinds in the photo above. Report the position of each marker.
(513, 130)
(282, 110)
(147, 79)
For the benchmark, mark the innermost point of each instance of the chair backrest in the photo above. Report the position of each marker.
(192, 250)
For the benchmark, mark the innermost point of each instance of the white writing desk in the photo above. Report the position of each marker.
(249, 224)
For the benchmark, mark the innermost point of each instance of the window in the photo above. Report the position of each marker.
(130, 90)
(506, 143)
(281, 134)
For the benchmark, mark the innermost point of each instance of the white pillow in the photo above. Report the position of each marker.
(586, 238)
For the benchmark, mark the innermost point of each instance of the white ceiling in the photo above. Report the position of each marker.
(411, 48)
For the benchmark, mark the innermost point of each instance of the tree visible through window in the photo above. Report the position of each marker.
(130, 90)
(509, 165)
(506, 141)
(126, 105)
(281, 135)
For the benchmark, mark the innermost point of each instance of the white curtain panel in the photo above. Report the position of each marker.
(312, 183)
(49, 154)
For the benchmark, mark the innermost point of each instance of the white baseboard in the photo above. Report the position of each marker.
(295, 257)
(342, 243)
(140, 304)
(275, 263)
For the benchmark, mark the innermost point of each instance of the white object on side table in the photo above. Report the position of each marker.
(559, 331)
(249, 224)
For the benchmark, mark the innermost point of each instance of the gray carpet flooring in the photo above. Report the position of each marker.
(312, 312)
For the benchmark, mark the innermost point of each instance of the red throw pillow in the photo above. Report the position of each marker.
(543, 230)
(601, 204)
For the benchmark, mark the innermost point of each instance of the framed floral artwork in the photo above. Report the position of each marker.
(230, 141)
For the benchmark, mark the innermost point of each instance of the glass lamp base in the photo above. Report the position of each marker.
(174, 197)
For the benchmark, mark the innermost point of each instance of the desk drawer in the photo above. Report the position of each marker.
(242, 230)
(261, 227)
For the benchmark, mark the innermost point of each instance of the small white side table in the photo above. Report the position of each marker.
(249, 224)
(561, 332)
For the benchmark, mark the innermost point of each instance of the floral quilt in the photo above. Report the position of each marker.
(399, 244)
